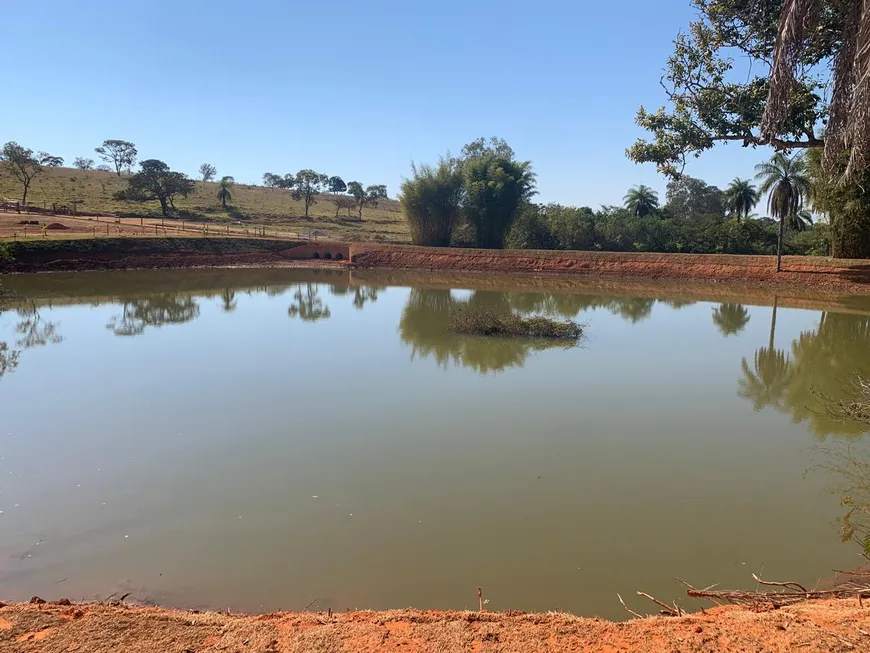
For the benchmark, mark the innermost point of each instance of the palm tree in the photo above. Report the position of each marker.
(641, 200)
(730, 318)
(800, 221)
(742, 197)
(787, 184)
(224, 194)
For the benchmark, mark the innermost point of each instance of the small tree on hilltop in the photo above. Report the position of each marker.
(336, 185)
(271, 180)
(155, 181)
(368, 196)
(208, 171)
(307, 186)
(224, 194)
(121, 154)
(21, 163)
(83, 164)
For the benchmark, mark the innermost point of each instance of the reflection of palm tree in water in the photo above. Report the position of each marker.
(228, 299)
(766, 385)
(731, 319)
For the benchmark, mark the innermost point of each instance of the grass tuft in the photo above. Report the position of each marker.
(489, 323)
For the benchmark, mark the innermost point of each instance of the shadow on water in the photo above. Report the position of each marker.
(820, 365)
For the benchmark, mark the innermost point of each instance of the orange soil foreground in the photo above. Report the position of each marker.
(837, 275)
(818, 626)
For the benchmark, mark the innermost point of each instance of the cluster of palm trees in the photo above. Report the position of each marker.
(784, 180)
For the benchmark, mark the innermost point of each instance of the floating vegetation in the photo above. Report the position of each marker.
(490, 323)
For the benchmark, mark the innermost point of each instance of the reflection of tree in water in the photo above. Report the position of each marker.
(847, 462)
(8, 359)
(34, 331)
(228, 300)
(826, 362)
(307, 305)
(822, 367)
(730, 319)
(362, 295)
(153, 311)
(424, 326)
(765, 383)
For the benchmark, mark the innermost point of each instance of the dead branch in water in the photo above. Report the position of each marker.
(627, 609)
(667, 609)
(787, 596)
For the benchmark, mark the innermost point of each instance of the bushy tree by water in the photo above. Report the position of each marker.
(496, 186)
(156, 182)
(431, 200)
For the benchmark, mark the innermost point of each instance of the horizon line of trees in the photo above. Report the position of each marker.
(483, 199)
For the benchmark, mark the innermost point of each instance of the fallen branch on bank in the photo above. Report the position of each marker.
(791, 593)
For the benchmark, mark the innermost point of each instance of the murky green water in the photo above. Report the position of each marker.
(268, 439)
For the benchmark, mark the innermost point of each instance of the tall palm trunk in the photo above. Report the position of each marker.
(779, 245)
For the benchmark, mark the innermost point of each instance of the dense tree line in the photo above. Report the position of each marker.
(482, 199)
(805, 90)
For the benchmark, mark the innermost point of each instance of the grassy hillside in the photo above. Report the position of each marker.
(253, 204)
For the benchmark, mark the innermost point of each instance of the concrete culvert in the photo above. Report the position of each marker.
(315, 255)
(327, 255)
(339, 257)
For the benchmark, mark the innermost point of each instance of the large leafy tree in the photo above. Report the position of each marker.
(496, 186)
(641, 200)
(741, 197)
(690, 198)
(307, 186)
(121, 154)
(155, 181)
(22, 164)
(786, 184)
(336, 184)
(741, 57)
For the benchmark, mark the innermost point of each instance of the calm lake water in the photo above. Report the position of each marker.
(274, 439)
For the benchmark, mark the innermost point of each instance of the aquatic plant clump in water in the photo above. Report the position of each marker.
(489, 323)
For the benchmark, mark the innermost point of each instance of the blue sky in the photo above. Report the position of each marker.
(358, 89)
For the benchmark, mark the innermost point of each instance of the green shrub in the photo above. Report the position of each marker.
(431, 201)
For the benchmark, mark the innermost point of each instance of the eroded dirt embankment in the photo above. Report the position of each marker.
(814, 627)
(824, 274)
(816, 273)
